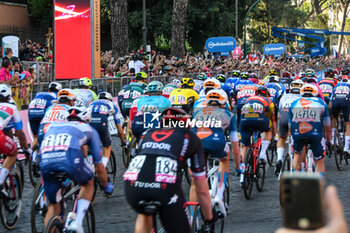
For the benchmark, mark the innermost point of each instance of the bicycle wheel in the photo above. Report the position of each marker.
(271, 151)
(54, 225)
(125, 150)
(248, 174)
(112, 167)
(286, 163)
(185, 172)
(33, 169)
(39, 209)
(19, 168)
(132, 149)
(260, 176)
(197, 220)
(89, 223)
(338, 151)
(11, 207)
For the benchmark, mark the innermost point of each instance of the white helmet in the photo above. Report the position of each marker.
(273, 78)
(5, 91)
(82, 113)
(211, 83)
(67, 93)
(105, 95)
(176, 82)
(309, 90)
(295, 86)
(55, 87)
(217, 95)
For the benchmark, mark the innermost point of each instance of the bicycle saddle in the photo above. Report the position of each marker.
(149, 207)
(59, 175)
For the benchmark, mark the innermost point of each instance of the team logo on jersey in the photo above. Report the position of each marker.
(161, 135)
(151, 120)
(305, 102)
(305, 127)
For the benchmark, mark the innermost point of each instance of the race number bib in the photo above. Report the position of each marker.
(134, 168)
(181, 99)
(166, 170)
(38, 103)
(56, 142)
(111, 126)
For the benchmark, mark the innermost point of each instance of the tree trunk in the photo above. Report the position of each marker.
(178, 29)
(345, 10)
(119, 27)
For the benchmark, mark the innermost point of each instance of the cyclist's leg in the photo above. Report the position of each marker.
(265, 138)
(334, 110)
(224, 168)
(298, 147)
(318, 147)
(9, 148)
(346, 113)
(143, 224)
(283, 134)
(303, 158)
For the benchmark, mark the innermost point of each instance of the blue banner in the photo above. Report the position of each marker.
(220, 44)
(318, 51)
(274, 49)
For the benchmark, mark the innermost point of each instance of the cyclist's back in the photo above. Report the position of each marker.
(183, 98)
(131, 92)
(327, 85)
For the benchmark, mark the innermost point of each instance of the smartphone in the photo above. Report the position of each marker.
(301, 197)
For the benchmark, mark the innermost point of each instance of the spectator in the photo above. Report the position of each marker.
(5, 75)
(138, 63)
(8, 52)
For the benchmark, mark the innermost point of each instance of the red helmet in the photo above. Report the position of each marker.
(286, 74)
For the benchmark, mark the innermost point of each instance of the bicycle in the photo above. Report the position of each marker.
(126, 148)
(271, 151)
(287, 164)
(339, 144)
(254, 169)
(60, 223)
(11, 206)
(310, 162)
(33, 167)
(39, 209)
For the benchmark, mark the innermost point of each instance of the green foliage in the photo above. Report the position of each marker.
(41, 12)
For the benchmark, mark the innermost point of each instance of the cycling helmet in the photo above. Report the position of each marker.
(221, 78)
(187, 83)
(79, 113)
(302, 74)
(309, 90)
(5, 91)
(211, 83)
(85, 82)
(55, 87)
(66, 94)
(175, 114)
(236, 73)
(345, 80)
(346, 71)
(295, 86)
(254, 78)
(141, 76)
(202, 76)
(262, 91)
(274, 79)
(105, 96)
(272, 72)
(311, 79)
(176, 82)
(154, 87)
(329, 73)
(310, 73)
(286, 75)
(216, 95)
(244, 75)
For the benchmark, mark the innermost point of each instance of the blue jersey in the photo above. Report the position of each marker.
(227, 89)
(276, 91)
(152, 104)
(308, 116)
(232, 81)
(40, 103)
(241, 83)
(341, 91)
(102, 107)
(61, 139)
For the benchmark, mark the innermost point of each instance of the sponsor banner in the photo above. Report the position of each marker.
(97, 40)
(237, 52)
(10, 42)
(220, 44)
(274, 49)
(318, 51)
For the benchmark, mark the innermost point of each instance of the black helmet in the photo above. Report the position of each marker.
(329, 73)
(262, 91)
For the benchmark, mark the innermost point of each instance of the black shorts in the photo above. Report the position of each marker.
(100, 123)
(34, 123)
(341, 105)
(247, 127)
(283, 125)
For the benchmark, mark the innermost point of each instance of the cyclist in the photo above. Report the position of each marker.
(327, 85)
(254, 78)
(104, 114)
(167, 89)
(345, 73)
(154, 103)
(257, 114)
(9, 112)
(307, 117)
(39, 104)
(283, 110)
(272, 72)
(232, 80)
(340, 102)
(213, 137)
(131, 92)
(311, 79)
(245, 93)
(84, 93)
(241, 83)
(57, 112)
(209, 84)
(185, 96)
(63, 150)
(198, 81)
(224, 86)
(153, 174)
(276, 90)
(286, 80)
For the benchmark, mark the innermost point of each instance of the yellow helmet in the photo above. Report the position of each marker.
(187, 83)
(141, 76)
(85, 82)
(273, 72)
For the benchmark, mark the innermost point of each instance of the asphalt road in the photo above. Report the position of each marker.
(260, 214)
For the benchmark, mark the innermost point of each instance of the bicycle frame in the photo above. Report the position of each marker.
(212, 177)
(255, 147)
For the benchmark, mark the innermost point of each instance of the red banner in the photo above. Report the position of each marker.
(72, 39)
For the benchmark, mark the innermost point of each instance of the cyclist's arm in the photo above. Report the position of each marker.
(19, 129)
(202, 191)
(235, 141)
(94, 96)
(326, 120)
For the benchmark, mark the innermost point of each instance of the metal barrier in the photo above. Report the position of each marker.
(44, 71)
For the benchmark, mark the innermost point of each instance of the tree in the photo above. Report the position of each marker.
(344, 6)
(119, 27)
(178, 31)
(41, 12)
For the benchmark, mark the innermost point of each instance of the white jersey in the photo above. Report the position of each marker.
(285, 102)
(8, 112)
(198, 85)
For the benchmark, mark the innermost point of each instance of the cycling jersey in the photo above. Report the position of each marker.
(153, 175)
(340, 100)
(147, 105)
(213, 136)
(286, 81)
(283, 112)
(327, 85)
(232, 81)
(241, 97)
(86, 96)
(256, 114)
(168, 89)
(55, 113)
(60, 150)
(104, 119)
(276, 91)
(307, 117)
(130, 93)
(227, 89)
(198, 84)
(240, 84)
(183, 98)
(37, 107)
